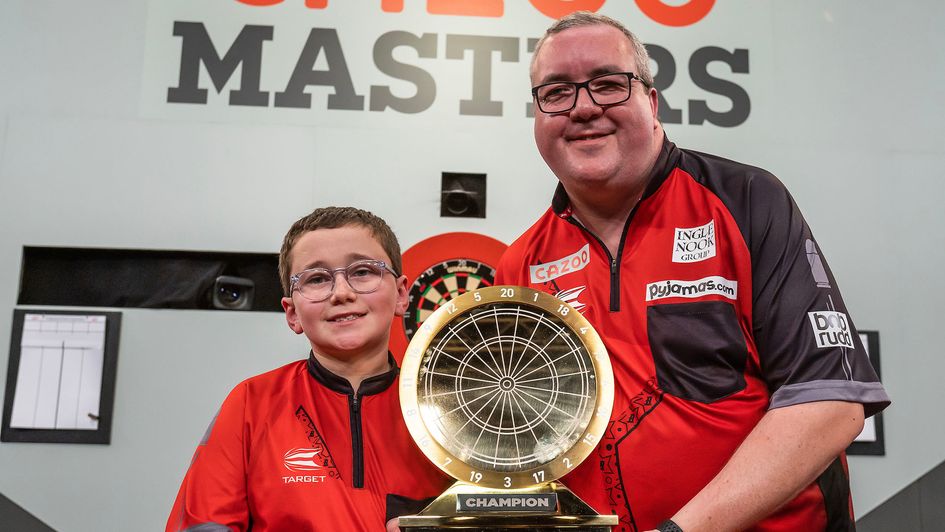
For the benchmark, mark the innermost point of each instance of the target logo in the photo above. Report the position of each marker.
(302, 459)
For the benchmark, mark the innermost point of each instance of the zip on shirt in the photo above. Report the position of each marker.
(614, 261)
(357, 440)
(369, 386)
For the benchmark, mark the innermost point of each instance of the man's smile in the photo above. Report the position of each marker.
(579, 137)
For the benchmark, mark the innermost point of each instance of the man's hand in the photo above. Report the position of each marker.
(393, 525)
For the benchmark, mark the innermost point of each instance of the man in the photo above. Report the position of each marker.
(740, 377)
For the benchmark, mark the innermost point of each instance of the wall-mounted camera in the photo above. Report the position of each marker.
(232, 293)
(463, 195)
(150, 278)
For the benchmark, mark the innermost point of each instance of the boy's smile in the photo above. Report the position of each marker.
(348, 327)
(351, 316)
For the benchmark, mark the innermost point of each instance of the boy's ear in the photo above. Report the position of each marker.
(400, 308)
(291, 316)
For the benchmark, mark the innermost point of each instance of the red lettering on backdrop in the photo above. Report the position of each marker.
(471, 8)
(669, 15)
(392, 6)
(261, 3)
(468, 8)
(311, 4)
(559, 8)
(684, 15)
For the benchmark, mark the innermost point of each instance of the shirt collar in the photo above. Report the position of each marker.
(369, 386)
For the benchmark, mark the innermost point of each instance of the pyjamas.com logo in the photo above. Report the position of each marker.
(714, 285)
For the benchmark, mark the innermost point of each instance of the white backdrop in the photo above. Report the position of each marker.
(845, 107)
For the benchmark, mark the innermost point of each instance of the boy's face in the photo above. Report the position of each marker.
(347, 324)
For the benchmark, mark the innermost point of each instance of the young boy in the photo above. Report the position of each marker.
(318, 444)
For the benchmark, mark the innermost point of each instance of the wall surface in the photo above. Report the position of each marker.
(920, 506)
(842, 100)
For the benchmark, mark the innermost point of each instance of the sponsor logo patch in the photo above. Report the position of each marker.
(302, 459)
(694, 244)
(304, 479)
(549, 271)
(714, 285)
(571, 295)
(831, 329)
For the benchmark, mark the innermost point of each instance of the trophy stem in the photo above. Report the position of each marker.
(543, 507)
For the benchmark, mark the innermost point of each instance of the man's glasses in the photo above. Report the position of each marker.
(606, 89)
(317, 284)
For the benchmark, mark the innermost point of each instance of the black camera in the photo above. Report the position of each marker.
(463, 195)
(232, 293)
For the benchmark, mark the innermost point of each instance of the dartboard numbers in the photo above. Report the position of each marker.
(439, 284)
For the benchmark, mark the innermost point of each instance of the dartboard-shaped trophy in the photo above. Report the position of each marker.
(507, 389)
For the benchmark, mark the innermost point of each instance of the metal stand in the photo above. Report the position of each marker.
(470, 507)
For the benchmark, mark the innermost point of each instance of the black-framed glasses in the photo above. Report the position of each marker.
(606, 89)
(363, 276)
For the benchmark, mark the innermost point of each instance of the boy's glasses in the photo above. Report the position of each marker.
(317, 284)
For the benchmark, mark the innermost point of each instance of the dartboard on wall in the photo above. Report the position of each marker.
(438, 270)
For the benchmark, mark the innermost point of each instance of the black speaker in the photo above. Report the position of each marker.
(463, 195)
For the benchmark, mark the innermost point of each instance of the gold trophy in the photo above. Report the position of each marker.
(506, 389)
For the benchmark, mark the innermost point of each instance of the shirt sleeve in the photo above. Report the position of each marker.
(212, 497)
(808, 347)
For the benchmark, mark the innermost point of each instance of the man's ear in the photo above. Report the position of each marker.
(400, 307)
(655, 106)
(291, 316)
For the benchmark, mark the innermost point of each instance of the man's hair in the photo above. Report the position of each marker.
(333, 218)
(586, 18)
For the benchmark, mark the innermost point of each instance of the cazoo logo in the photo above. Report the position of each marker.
(549, 271)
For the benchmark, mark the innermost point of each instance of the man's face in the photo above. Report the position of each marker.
(347, 324)
(593, 149)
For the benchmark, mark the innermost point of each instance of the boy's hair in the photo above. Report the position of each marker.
(333, 218)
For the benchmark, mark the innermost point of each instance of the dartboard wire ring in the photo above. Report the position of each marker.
(498, 384)
(506, 397)
(514, 374)
(429, 362)
(473, 454)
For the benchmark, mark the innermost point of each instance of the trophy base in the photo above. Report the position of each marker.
(544, 507)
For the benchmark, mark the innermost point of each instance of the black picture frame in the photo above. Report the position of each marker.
(102, 435)
(877, 445)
